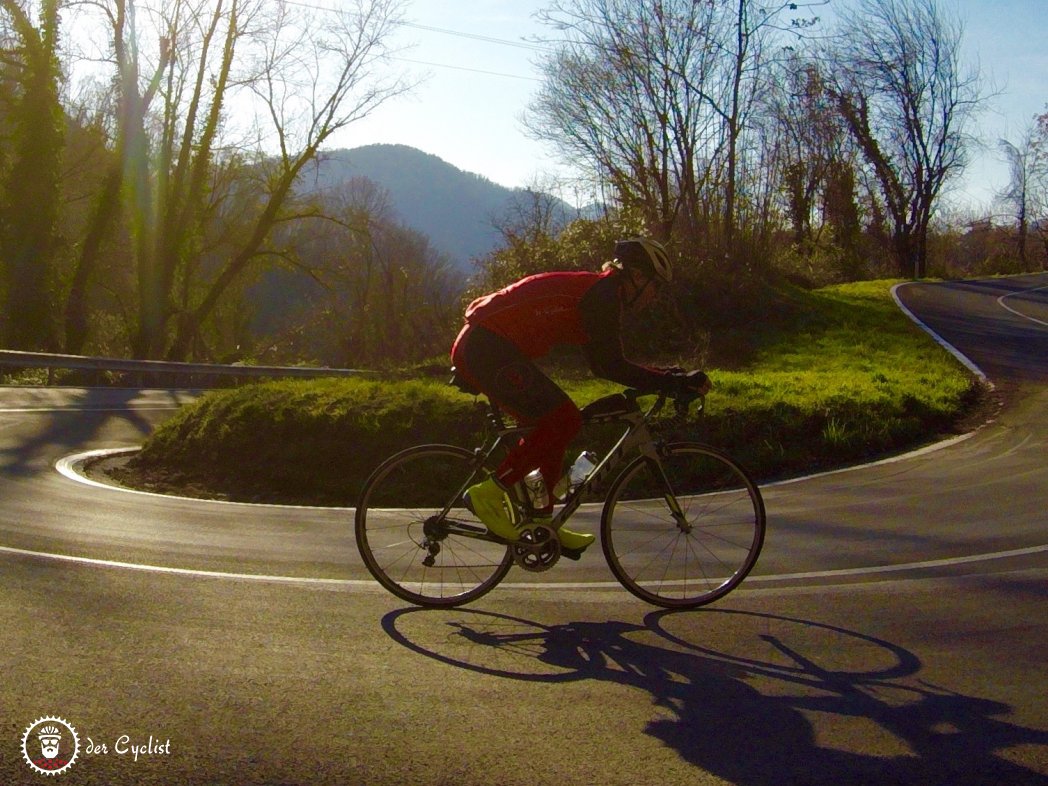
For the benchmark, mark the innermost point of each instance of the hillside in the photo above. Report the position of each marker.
(808, 400)
(455, 209)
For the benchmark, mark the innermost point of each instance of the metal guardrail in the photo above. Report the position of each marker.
(150, 367)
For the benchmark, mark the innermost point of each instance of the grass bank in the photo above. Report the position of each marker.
(844, 378)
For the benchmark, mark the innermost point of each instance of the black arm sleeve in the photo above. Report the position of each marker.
(601, 315)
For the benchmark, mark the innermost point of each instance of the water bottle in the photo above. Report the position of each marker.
(537, 492)
(581, 469)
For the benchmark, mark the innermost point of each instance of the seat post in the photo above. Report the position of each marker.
(459, 381)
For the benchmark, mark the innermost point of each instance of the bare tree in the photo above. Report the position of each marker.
(752, 25)
(896, 75)
(614, 98)
(811, 140)
(225, 102)
(314, 76)
(1018, 195)
(1038, 192)
(817, 166)
(658, 97)
(379, 293)
(528, 227)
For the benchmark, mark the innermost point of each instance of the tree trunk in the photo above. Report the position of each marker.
(102, 220)
(31, 191)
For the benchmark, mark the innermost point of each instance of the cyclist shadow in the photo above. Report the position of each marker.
(743, 718)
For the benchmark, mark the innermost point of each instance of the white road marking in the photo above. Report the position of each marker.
(308, 580)
(69, 467)
(1006, 307)
(211, 574)
(917, 453)
(961, 357)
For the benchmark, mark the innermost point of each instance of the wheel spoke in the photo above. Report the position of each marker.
(661, 562)
(394, 541)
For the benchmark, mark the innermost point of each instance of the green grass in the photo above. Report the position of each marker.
(845, 377)
(852, 378)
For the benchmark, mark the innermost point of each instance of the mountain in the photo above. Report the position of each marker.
(455, 209)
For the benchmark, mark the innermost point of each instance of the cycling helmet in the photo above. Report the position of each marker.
(646, 255)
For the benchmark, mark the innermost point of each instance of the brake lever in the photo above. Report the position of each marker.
(683, 405)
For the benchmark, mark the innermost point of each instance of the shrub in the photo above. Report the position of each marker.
(317, 439)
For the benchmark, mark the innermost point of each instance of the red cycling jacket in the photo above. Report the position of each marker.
(537, 312)
(577, 308)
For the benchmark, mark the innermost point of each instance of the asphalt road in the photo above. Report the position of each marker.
(894, 630)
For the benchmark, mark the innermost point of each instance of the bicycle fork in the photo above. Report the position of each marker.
(636, 438)
(651, 452)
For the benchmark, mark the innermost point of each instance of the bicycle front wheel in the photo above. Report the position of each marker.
(684, 529)
(415, 534)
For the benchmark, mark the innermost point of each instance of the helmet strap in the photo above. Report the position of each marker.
(638, 289)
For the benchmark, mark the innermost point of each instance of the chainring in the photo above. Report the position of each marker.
(538, 548)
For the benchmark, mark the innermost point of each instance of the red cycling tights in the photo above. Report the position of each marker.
(543, 448)
(504, 374)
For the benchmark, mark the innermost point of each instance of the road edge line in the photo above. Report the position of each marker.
(964, 360)
(332, 582)
(71, 466)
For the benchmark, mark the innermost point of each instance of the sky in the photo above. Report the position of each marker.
(477, 60)
(469, 106)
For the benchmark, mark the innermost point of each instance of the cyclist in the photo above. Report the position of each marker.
(507, 330)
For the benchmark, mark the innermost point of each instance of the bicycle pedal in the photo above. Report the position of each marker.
(573, 554)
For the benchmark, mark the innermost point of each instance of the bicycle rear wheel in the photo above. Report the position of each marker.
(415, 534)
(683, 530)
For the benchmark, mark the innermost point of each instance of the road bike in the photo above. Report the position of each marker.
(681, 523)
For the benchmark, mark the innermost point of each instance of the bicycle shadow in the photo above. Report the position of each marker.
(746, 719)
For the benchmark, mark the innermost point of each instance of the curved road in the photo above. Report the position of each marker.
(894, 629)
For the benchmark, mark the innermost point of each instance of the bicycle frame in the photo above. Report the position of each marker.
(636, 439)
(432, 553)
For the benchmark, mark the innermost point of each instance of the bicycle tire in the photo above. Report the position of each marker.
(666, 561)
(400, 500)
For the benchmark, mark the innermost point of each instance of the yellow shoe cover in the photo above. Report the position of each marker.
(491, 505)
(576, 541)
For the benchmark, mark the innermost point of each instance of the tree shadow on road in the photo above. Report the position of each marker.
(70, 426)
(777, 706)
